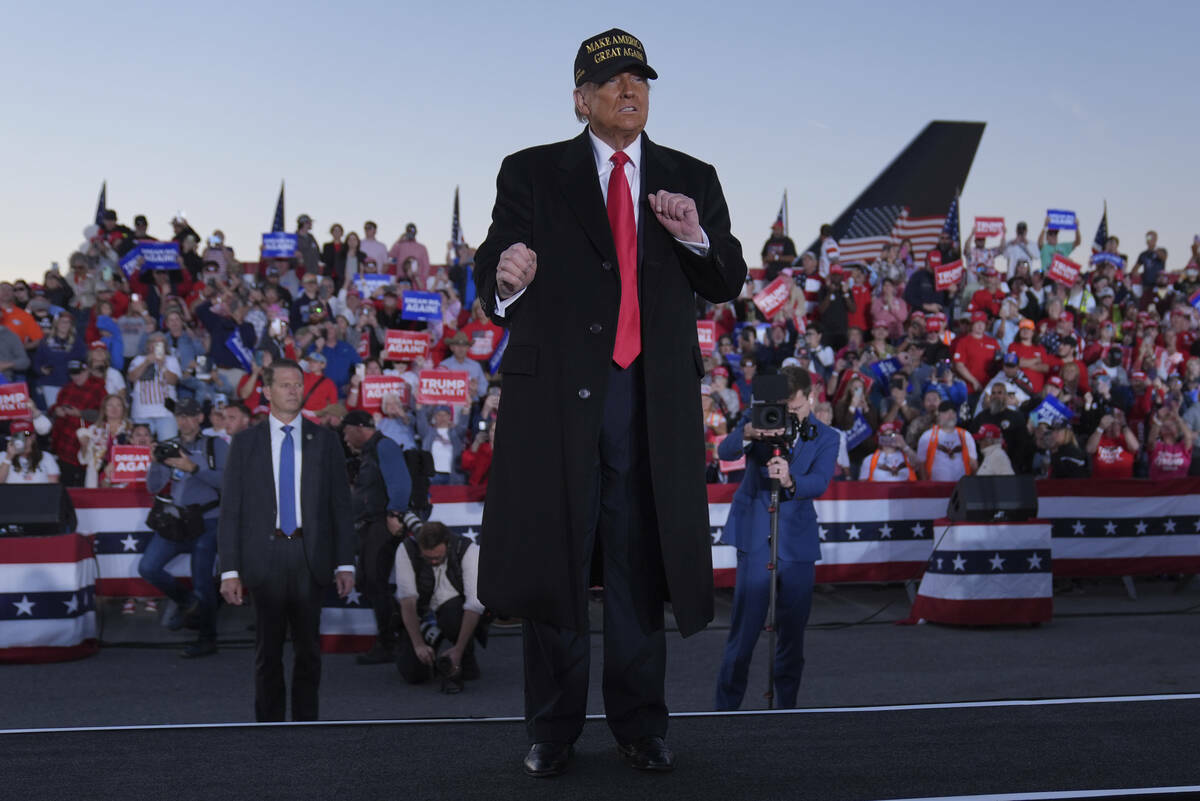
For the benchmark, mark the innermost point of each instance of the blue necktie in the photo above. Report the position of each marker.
(287, 483)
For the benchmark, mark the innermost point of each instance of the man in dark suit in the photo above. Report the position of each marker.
(286, 533)
(599, 463)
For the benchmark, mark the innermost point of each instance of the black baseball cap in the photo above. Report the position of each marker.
(188, 407)
(359, 418)
(947, 406)
(606, 54)
(75, 366)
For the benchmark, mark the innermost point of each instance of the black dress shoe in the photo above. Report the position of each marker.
(200, 648)
(648, 753)
(548, 759)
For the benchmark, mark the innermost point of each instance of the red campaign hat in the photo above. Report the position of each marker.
(988, 272)
(1138, 375)
(935, 322)
(836, 269)
(20, 427)
(1128, 325)
(1055, 380)
(1151, 323)
(720, 370)
(991, 430)
(98, 345)
(979, 316)
(891, 426)
(1066, 317)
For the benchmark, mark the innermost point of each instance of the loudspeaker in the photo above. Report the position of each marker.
(983, 498)
(35, 510)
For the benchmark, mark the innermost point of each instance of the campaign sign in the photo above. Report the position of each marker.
(885, 369)
(367, 283)
(773, 296)
(238, 348)
(130, 463)
(364, 346)
(158, 255)
(405, 346)
(435, 387)
(14, 401)
(129, 263)
(421, 306)
(729, 467)
(278, 245)
(946, 276)
(989, 226)
(1052, 411)
(374, 387)
(1061, 220)
(1063, 270)
(706, 333)
(482, 343)
(859, 431)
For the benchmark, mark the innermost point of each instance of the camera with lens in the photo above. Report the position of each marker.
(769, 412)
(168, 449)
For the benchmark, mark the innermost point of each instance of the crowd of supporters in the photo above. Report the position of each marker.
(107, 349)
(1007, 370)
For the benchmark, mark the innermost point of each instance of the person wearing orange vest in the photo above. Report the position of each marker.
(947, 451)
(893, 461)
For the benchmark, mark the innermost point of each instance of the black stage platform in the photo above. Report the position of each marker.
(1040, 747)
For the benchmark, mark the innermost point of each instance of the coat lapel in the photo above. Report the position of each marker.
(654, 243)
(577, 175)
(263, 460)
(309, 464)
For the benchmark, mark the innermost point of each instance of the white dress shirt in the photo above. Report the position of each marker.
(277, 439)
(443, 590)
(603, 154)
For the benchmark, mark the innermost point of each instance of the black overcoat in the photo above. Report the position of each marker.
(543, 481)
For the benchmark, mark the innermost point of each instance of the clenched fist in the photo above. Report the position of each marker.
(518, 265)
(678, 215)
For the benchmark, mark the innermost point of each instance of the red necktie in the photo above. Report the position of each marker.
(624, 230)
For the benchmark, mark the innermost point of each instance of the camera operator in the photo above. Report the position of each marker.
(436, 574)
(192, 466)
(379, 497)
(805, 475)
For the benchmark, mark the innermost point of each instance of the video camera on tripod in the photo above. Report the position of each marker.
(769, 413)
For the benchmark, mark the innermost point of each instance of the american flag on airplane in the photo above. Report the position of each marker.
(871, 229)
(950, 228)
(277, 221)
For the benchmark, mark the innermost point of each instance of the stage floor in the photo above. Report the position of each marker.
(1056, 749)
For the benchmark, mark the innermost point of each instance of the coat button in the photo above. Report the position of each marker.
(585, 393)
(595, 328)
(606, 265)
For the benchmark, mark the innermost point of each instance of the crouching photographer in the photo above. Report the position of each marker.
(436, 575)
(185, 478)
(785, 443)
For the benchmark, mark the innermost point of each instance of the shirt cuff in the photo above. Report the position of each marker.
(344, 569)
(228, 574)
(699, 248)
(502, 305)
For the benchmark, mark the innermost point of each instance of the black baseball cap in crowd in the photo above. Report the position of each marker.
(359, 418)
(604, 55)
(188, 407)
(76, 366)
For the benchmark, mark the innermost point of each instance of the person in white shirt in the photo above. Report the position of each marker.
(437, 573)
(23, 461)
(946, 451)
(152, 377)
(893, 461)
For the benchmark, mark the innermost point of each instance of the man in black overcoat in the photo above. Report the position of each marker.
(286, 533)
(597, 248)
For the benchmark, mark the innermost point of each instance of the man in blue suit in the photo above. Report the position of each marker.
(801, 479)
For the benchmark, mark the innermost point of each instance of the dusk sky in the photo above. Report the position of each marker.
(378, 110)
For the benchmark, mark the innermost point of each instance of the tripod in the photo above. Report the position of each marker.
(772, 568)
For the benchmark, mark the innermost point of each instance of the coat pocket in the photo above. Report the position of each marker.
(519, 360)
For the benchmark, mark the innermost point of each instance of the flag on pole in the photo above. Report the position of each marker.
(102, 204)
(1101, 232)
(950, 228)
(277, 223)
(781, 219)
(456, 237)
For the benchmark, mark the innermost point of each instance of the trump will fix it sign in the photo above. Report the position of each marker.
(436, 387)
(14, 401)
